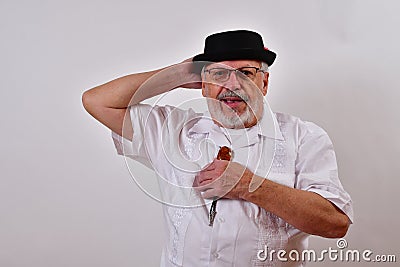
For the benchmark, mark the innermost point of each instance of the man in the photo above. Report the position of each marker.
(281, 184)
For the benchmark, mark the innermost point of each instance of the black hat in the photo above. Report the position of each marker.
(235, 45)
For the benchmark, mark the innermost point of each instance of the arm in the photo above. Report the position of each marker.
(307, 211)
(108, 102)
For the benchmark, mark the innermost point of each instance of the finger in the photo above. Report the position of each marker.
(196, 181)
(210, 166)
(204, 175)
(204, 188)
(203, 180)
(207, 185)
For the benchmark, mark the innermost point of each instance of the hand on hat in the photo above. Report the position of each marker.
(194, 79)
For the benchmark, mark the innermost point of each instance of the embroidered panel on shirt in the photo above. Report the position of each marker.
(284, 162)
(180, 217)
(273, 234)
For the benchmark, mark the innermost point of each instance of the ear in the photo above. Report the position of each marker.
(203, 88)
(265, 83)
(203, 84)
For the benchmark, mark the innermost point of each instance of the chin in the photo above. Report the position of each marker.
(229, 118)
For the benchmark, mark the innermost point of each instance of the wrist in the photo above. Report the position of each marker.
(245, 193)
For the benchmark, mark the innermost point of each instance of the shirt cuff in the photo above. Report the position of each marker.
(337, 197)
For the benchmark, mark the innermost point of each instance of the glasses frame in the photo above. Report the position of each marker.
(236, 71)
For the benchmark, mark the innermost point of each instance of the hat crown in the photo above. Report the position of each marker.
(233, 45)
(233, 40)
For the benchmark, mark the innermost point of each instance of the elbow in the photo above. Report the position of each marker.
(340, 232)
(86, 99)
(343, 228)
(339, 227)
(89, 101)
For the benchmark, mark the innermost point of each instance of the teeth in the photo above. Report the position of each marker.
(231, 101)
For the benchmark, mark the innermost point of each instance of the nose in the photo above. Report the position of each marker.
(233, 82)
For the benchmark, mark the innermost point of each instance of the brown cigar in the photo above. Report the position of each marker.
(224, 153)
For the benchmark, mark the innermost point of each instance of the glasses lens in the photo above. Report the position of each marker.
(249, 72)
(222, 74)
(219, 74)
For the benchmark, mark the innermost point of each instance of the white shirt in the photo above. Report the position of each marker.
(176, 144)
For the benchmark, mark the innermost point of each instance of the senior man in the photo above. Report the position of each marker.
(281, 184)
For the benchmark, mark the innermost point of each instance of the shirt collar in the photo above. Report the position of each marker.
(268, 126)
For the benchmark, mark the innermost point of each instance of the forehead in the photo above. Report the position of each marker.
(235, 64)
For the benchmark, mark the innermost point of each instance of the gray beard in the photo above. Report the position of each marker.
(233, 120)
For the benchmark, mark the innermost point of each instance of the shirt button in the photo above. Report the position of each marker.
(221, 220)
(216, 255)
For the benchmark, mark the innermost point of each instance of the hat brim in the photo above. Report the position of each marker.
(266, 56)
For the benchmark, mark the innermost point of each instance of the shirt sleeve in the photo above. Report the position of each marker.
(157, 134)
(147, 122)
(316, 168)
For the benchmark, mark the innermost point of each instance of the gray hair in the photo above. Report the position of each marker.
(264, 67)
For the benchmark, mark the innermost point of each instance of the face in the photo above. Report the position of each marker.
(235, 98)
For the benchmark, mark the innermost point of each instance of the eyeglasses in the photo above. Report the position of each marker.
(223, 74)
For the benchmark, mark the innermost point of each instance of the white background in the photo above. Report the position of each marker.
(67, 199)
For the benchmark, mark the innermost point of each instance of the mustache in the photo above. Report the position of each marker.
(241, 95)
